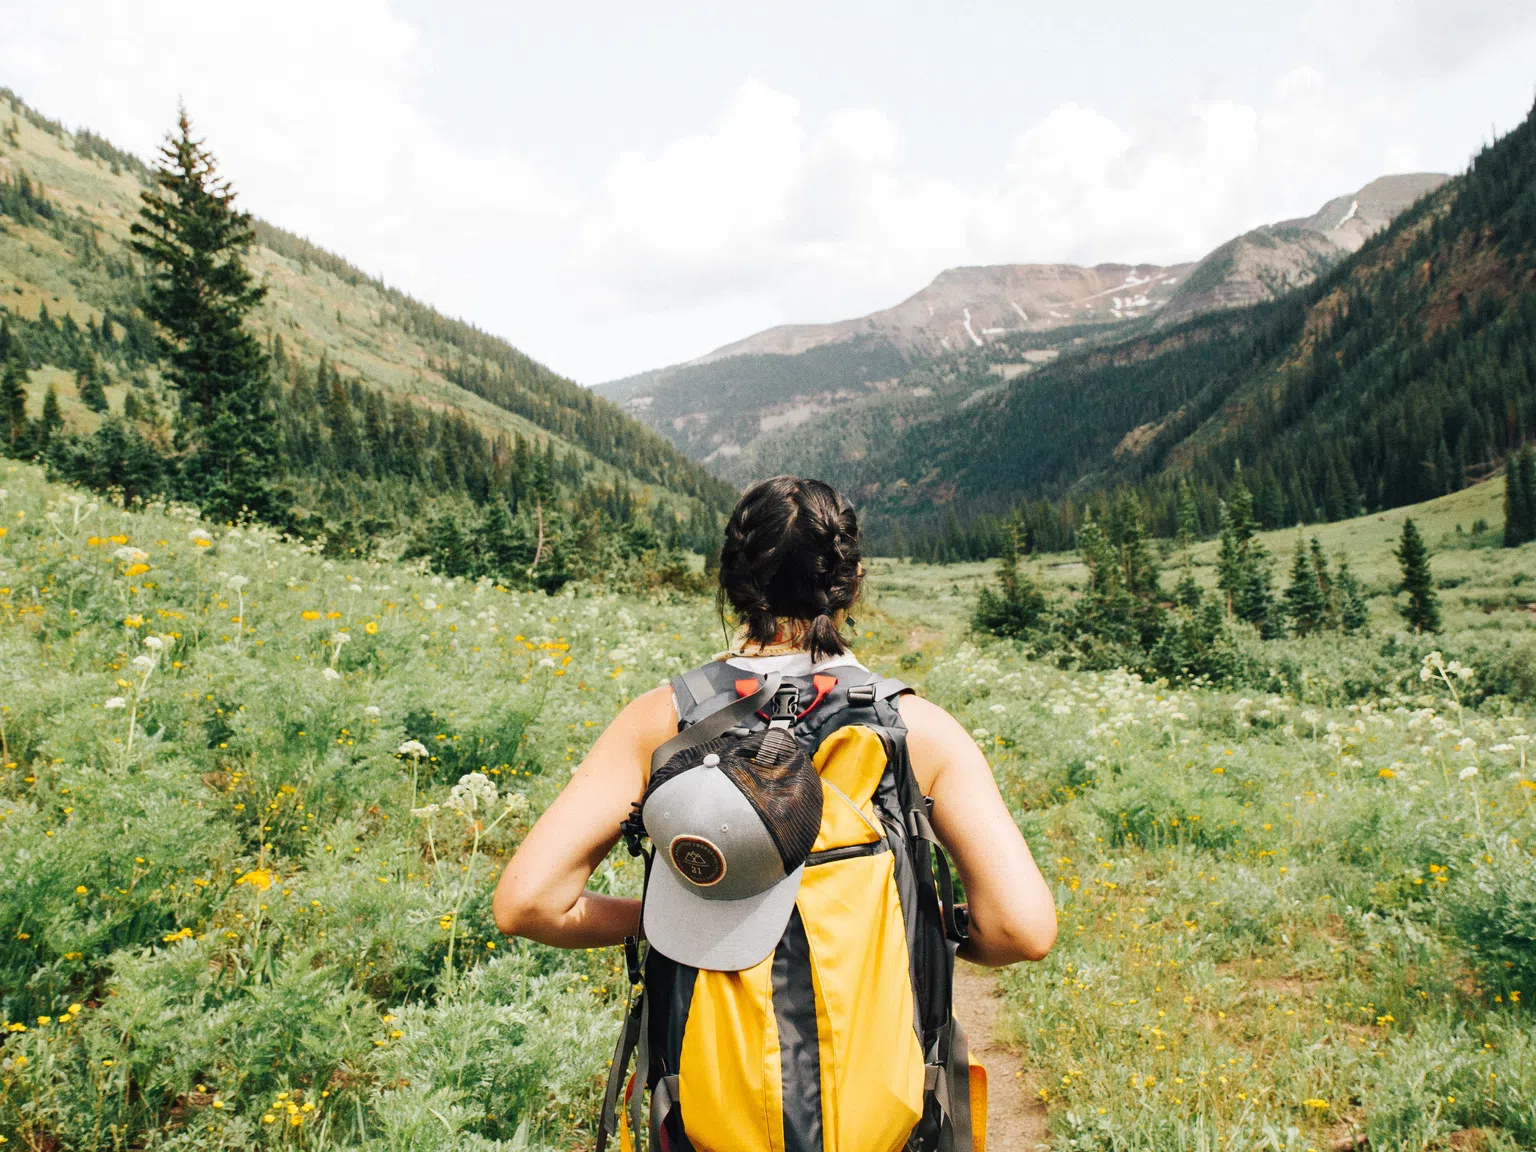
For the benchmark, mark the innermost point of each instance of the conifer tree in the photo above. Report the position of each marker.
(1017, 605)
(1242, 567)
(1304, 602)
(13, 406)
(1353, 613)
(1325, 585)
(52, 422)
(1422, 611)
(1187, 592)
(1520, 498)
(91, 393)
(199, 295)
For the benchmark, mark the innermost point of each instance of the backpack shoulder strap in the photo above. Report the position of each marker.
(699, 691)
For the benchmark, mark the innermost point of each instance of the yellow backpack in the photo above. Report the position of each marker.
(844, 1038)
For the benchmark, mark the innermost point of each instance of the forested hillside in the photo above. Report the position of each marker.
(1406, 372)
(807, 397)
(389, 411)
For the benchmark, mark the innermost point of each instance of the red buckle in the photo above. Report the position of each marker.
(823, 684)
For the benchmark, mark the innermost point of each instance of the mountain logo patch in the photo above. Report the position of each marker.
(699, 861)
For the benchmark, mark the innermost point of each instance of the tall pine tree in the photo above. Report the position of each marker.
(1520, 498)
(199, 295)
(13, 406)
(1422, 611)
(1305, 603)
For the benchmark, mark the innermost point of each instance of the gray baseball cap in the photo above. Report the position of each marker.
(732, 825)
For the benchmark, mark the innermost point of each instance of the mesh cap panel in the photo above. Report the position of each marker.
(780, 782)
(775, 775)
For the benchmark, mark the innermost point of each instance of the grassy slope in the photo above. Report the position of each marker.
(315, 311)
(1314, 969)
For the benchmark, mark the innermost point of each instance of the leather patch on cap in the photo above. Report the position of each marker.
(700, 862)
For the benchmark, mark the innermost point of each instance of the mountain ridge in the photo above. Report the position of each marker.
(734, 406)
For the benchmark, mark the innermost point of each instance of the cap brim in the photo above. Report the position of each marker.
(718, 935)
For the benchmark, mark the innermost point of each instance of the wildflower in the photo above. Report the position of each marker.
(237, 582)
(142, 663)
(130, 555)
(413, 748)
(1467, 773)
(136, 569)
(154, 643)
(371, 711)
(339, 638)
(427, 812)
(1386, 774)
(473, 793)
(330, 674)
(115, 702)
(309, 614)
(372, 628)
(1320, 1105)
(81, 889)
(257, 878)
(200, 538)
(429, 604)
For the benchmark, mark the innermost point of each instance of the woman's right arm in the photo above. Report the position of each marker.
(542, 894)
(1012, 912)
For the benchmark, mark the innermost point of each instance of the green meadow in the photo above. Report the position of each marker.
(245, 900)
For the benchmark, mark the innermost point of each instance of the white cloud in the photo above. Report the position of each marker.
(758, 214)
(1406, 42)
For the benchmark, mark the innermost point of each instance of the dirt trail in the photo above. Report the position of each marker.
(1015, 1117)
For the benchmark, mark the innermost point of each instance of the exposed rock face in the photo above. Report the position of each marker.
(1275, 258)
(786, 380)
(968, 307)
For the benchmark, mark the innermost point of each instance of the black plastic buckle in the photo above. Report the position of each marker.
(862, 695)
(785, 704)
(632, 959)
(633, 830)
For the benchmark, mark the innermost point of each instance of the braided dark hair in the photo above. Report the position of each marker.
(791, 552)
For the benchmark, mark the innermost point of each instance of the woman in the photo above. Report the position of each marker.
(790, 571)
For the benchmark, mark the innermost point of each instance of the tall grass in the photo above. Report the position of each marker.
(253, 805)
(1281, 926)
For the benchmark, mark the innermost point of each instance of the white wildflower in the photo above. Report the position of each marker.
(371, 711)
(128, 554)
(998, 708)
(238, 582)
(429, 604)
(154, 643)
(340, 638)
(1468, 772)
(427, 812)
(330, 674)
(115, 702)
(199, 538)
(413, 748)
(472, 794)
(142, 663)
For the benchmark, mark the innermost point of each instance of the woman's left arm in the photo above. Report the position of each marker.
(542, 893)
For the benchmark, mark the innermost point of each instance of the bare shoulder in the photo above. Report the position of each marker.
(650, 713)
(935, 740)
(926, 720)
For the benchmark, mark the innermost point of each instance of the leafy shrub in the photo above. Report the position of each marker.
(1494, 914)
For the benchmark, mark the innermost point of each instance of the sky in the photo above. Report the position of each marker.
(617, 186)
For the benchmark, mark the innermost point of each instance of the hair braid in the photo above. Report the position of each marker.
(791, 552)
